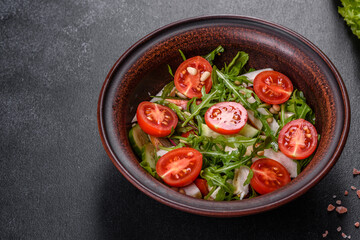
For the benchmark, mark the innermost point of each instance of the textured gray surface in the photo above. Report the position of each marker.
(56, 181)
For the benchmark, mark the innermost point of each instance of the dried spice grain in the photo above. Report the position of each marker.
(330, 208)
(341, 210)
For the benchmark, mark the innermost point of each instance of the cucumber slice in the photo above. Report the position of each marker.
(148, 155)
(207, 132)
(138, 138)
(247, 131)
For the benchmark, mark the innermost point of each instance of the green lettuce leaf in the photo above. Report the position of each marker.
(351, 14)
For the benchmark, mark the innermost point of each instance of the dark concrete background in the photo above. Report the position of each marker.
(56, 181)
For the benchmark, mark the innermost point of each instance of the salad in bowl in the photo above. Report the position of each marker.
(224, 133)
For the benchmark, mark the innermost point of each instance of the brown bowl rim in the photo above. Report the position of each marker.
(179, 206)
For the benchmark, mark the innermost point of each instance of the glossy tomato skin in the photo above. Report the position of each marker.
(298, 139)
(187, 134)
(273, 87)
(182, 103)
(189, 83)
(202, 186)
(269, 175)
(180, 167)
(178, 102)
(226, 117)
(155, 119)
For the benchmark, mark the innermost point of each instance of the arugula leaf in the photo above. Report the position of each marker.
(234, 89)
(166, 91)
(211, 56)
(182, 55)
(144, 164)
(232, 165)
(236, 65)
(170, 71)
(253, 193)
(351, 14)
(182, 115)
(214, 78)
(249, 177)
(303, 163)
(297, 104)
(205, 100)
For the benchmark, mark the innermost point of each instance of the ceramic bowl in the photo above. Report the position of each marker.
(142, 71)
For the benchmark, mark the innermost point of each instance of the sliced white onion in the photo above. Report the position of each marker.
(161, 152)
(251, 75)
(192, 190)
(240, 177)
(253, 120)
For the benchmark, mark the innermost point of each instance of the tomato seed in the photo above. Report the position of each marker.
(164, 123)
(190, 154)
(150, 118)
(308, 135)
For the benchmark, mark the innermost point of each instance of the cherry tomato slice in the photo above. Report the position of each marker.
(186, 134)
(155, 119)
(192, 75)
(226, 117)
(298, 139)
(202, 186)
(269, 175)
(180, 103)
(273, 87)
(179, 167)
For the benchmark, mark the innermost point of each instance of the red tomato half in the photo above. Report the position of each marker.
(226, 117)
(298, 139)
(192, 75)
(273, 87)
(179, 167)
(202, 186)
(155, 119)
(269, 175)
